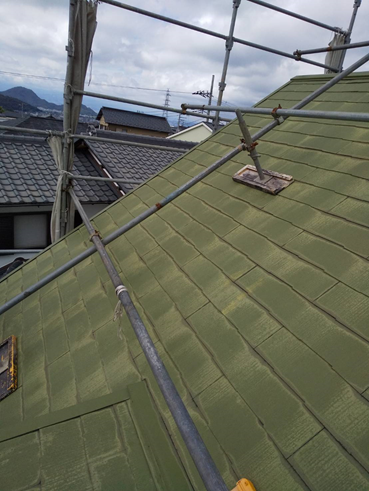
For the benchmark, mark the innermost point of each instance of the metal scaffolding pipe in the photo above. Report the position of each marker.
(150, 211)
(250, 144)
(120, 231)
(337, 78)
(200, 455)
(357, 4)
(140, 103)
(179, 23)
(47, 133)
(179, 191)
(298, 16)
(361, 44)
(283, 53)
(228, 49)
(62, 210)
(362, 117)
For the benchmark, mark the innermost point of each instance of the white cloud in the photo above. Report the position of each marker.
(134, 50)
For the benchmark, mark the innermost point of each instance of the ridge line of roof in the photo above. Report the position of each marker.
(324, 76)
(131, 112)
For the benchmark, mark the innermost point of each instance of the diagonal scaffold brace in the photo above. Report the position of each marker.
(254, 176)
(195, 445)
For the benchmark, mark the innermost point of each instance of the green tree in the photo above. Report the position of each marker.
(2, 110)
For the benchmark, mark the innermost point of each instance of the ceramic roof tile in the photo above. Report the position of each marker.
(131, 162)
(258, 305)
(37, 185)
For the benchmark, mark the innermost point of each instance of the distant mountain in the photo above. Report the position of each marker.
(28, 96)
(12, 104)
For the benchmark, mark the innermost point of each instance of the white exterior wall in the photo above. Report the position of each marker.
(192, 134)
(92, 210)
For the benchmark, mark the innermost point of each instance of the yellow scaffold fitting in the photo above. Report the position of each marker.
(244, 485)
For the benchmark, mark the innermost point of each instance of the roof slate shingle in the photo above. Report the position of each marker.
(258, 305)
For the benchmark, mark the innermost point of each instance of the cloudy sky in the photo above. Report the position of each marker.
(133, 53)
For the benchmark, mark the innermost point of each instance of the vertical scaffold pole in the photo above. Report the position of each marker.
(67, 122)
(228, 47)
(357, 4)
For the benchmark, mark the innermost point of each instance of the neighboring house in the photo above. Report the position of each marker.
(39, 123)
(9, 116)
(195, 133)
(133, 122)
(28, 177)
(131, 161)
(257, 304)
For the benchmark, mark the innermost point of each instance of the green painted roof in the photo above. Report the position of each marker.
(258, 305)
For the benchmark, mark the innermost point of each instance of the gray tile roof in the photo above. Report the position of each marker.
(134, 119)
(28, 174)
(148, 140)
(132, 162)
(39, 123)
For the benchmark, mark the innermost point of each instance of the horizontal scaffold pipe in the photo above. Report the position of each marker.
(179, 23)
(47, 133)
(141, 103)
(153, 209)
(311, 97)
(298, 16)
(122, 230)
(361, 44)
(344, 116)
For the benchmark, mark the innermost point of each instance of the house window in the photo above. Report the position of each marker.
(6, 232)
(24, 231)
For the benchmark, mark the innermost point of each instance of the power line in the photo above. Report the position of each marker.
(44, 77)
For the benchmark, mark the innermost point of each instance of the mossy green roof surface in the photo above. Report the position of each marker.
(258, 305)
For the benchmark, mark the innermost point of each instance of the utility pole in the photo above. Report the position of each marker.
(210, 95)
(179, 122)
(228, 47)
(205, 94)
(166, 103)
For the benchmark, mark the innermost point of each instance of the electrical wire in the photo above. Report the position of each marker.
(44, 77)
